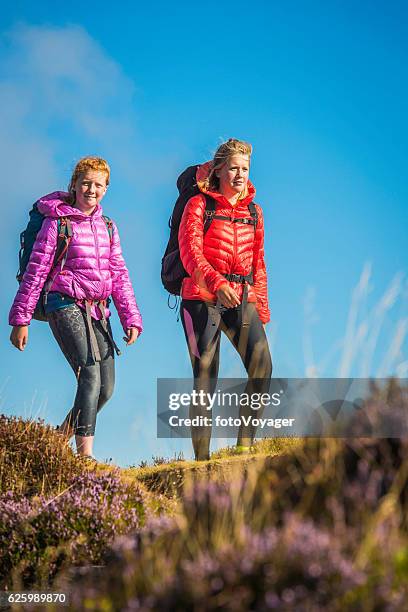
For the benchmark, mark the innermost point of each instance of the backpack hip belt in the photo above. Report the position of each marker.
(101, 304)
(240, 278)
(245, 280)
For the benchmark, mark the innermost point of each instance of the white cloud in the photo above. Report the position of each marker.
(62, 97)
(58, 85)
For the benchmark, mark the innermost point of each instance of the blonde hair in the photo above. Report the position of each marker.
(88, 163)
(233, 146)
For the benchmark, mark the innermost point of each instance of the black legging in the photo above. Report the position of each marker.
(95, 379)
(203, 323)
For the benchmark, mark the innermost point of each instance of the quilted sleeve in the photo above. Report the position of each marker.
(36, 273)
(122, 290)
(259, 270)
(191, 236)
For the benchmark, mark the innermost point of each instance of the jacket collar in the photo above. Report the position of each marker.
(57, 204)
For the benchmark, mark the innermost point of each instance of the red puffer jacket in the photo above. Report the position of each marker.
(226, 248)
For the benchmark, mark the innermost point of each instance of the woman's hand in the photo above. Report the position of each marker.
(227, 296)
(131, 336)
(19, 336)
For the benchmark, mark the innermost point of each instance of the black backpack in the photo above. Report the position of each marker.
(172, 269)
(27, 239)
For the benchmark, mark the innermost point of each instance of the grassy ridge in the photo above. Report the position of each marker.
(169, 477)
(59, 512)
(315, 524)
(322, 527)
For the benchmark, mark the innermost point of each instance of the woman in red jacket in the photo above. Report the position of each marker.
(226, 289)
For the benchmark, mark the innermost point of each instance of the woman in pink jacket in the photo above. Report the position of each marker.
(78, 290)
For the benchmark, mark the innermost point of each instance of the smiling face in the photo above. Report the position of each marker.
(90, 187)
(233, 176)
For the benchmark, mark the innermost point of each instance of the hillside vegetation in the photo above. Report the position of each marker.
(315, 524)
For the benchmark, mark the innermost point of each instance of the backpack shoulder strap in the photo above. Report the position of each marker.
(253, 212)
(64, 238)
(109, 226)
(64, 227)
(209, 212)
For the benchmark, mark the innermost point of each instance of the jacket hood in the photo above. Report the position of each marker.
(57, 204)
(202, 174)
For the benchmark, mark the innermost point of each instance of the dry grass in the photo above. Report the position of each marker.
(34, 459)
(169, 478)
(358, 349)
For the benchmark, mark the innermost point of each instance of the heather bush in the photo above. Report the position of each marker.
(37, 536)
(295, 567)
(34, 459)
(325, 477)
(324, 528)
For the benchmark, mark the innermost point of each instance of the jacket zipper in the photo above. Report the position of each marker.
(234, 225)
(234, 228)
(95, 233)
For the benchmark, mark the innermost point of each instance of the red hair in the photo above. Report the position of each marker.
(89, 163)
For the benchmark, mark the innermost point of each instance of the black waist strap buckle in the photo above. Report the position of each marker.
(240, 278)
(245, 280)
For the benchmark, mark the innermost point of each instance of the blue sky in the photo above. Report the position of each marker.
(319, 89)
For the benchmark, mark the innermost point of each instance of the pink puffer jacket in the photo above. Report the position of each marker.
(94, 268)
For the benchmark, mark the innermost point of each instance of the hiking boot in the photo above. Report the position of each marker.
(202, 457)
